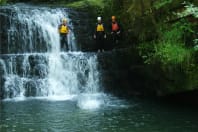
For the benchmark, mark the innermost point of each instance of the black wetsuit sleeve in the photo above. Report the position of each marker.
(110, 27)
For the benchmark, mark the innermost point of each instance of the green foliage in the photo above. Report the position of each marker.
(160, 3)
(178, 32)
(172, 60)
(170, 48)
(85, 3)
(3, 2)
(190, 9)
(196, 44)
(165, 53)
(146, 51)
(173, 35)
(171, 53)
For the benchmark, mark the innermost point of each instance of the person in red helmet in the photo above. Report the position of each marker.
(115, 30)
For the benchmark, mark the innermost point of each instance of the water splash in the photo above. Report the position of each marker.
(91, 101)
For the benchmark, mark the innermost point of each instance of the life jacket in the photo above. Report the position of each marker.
(115, 26)
(100, 28)
(63, 29)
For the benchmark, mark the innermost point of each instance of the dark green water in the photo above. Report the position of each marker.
(34, 115)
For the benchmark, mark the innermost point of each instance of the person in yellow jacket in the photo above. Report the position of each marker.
(63, 31)
(100, 34)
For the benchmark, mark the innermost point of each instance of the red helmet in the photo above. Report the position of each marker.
(113, 17)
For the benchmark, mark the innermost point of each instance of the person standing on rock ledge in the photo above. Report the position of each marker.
(63, 31)
(115, 31)
(100, 34)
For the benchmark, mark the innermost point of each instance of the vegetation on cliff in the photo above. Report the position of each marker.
(165, 34)
(2, 2)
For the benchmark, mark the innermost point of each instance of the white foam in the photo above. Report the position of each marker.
(90, 101)
(49, 98)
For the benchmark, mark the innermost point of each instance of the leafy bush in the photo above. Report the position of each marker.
(170, 47)
(171, 53)
(190, 9)
(160, 3)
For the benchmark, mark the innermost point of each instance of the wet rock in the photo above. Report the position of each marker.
(82, 79)
(2, 68)
(40, 70)
(83, 28)
(37, 59)
(38, 65)
(12, 87)
(2, 81)
(30, 88)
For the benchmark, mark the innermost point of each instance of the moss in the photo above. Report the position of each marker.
(161, 3)
(171, 58)
(84, 3)
(171, 53)
(3, 2)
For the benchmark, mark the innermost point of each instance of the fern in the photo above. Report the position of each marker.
(190, 9)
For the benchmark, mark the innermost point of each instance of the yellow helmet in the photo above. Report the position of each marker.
(113, 17)
(64, 20)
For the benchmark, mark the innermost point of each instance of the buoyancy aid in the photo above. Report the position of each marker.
(115, 26)
(63, 29)
(100, 27)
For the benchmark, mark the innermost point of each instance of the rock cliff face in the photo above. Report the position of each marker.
(123, 73)
(83, 29)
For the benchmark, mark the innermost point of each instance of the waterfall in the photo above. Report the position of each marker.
(33, 65)
(77, 72)
(33, 29)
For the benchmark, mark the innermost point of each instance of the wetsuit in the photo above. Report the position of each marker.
(115, 32)
(100, 36)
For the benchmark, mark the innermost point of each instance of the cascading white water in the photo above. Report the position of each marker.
(34, 29)
(39, 26)
(73, 73)
(51, 74)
